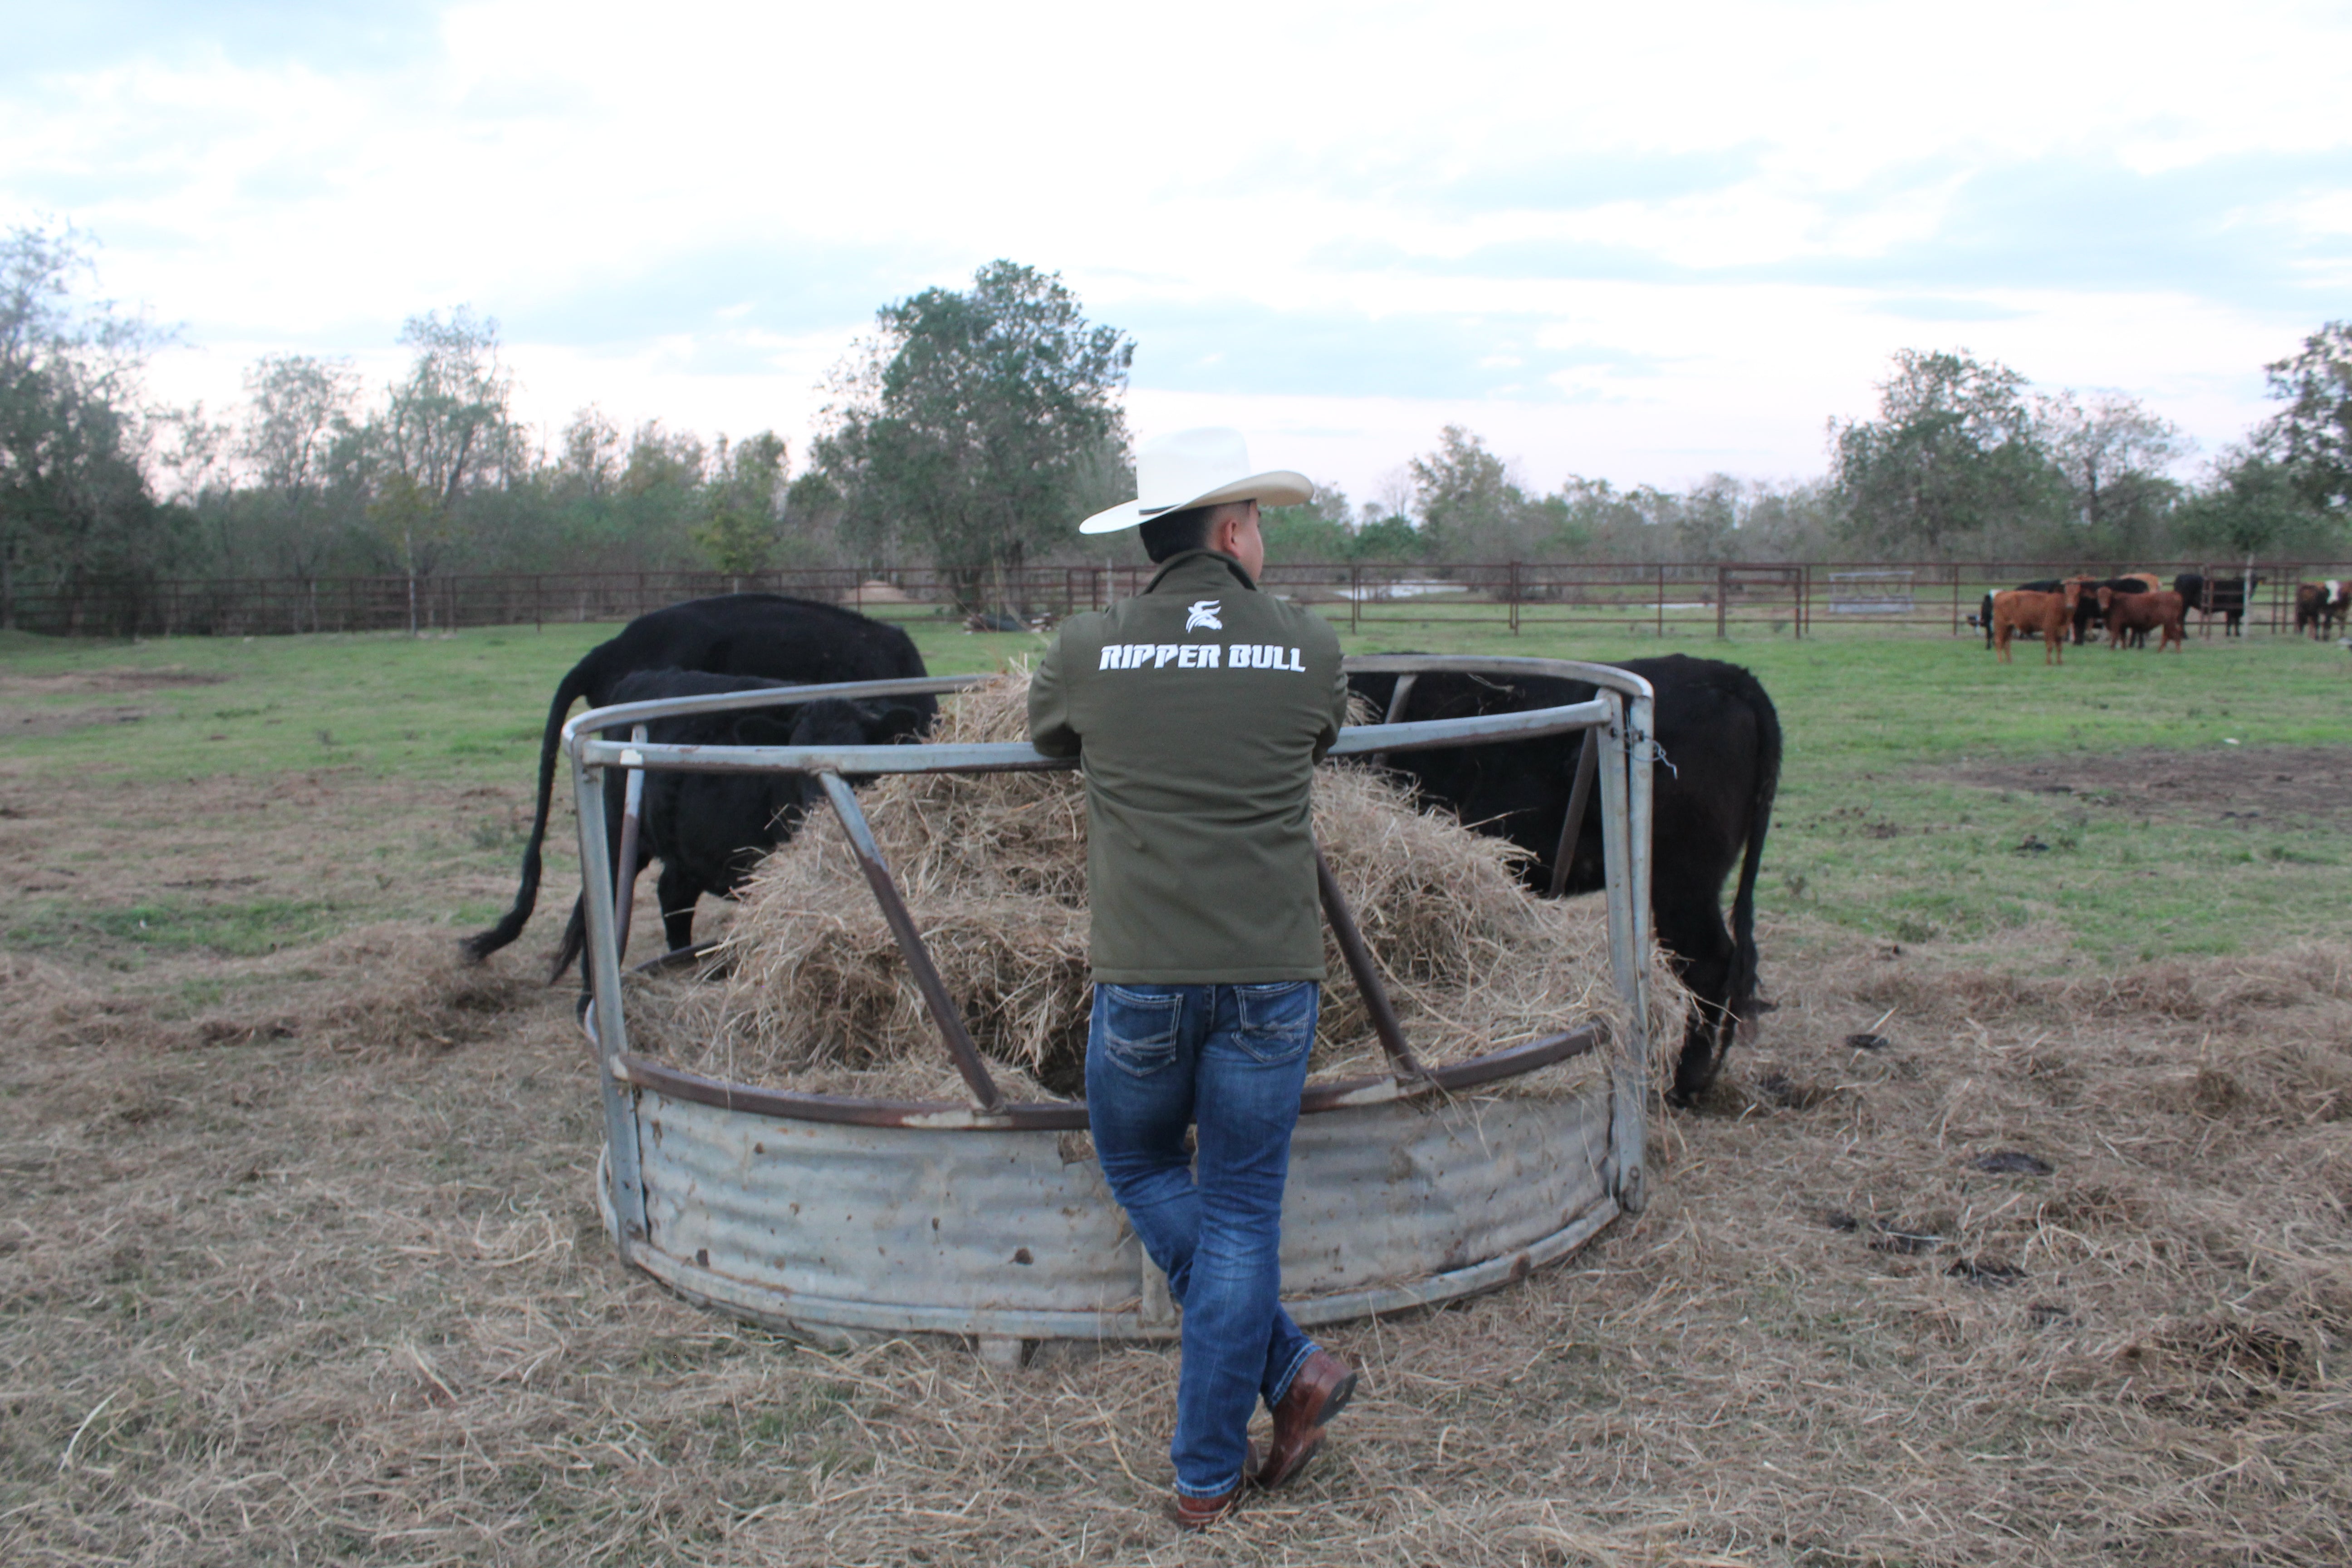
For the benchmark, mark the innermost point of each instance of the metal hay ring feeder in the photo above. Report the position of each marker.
(840, 1217)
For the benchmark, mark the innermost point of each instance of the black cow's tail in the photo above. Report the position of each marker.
(573, 687)
(574, 943)
(1760, 820)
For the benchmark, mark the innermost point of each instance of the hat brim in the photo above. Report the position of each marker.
(1277, 487)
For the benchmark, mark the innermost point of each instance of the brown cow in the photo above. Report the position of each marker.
(2021, 609)
(2162, 610)
(2317, 604)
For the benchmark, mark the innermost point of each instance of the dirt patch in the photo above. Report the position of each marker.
(80, 682)
(2300, 784)
(24, 723)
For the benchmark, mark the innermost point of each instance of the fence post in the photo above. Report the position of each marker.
(1722, 600)
(1513, 589)
(1355, 594)
(1661, 601)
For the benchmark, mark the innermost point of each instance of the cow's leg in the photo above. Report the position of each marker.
(1691, 930)
(677, 890)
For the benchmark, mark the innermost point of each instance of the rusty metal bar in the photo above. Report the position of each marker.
(624, 874)
(1367, 972)
(1070, 1115)
(943, 1009)
(1400, 697)
(1588, 765)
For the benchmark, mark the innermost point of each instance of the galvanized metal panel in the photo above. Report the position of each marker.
(894, 1229)
(1388, 1193)
(884, 1215)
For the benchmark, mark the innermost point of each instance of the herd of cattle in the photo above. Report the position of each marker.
(2127, 608)
(1716, 732)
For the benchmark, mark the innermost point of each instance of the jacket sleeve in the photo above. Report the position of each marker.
(1050, 730)
(1339, 715)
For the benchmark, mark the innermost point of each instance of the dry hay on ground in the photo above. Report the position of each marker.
(811, 991)
(276, 1298)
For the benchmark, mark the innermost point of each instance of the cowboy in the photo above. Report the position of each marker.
(1200, 708)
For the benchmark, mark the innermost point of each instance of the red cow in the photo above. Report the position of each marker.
(2127, 613)
(2022, 609)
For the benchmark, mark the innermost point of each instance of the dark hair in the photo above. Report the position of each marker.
(1174, 532)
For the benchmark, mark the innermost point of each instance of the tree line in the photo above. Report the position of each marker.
(973, 429)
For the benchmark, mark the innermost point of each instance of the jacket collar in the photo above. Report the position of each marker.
(1196, 569)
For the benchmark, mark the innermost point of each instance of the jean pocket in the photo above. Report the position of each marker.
(1138, 1027)
(1277, 1021)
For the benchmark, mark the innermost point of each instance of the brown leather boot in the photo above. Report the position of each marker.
(1318, 1391)
(1200, 1512)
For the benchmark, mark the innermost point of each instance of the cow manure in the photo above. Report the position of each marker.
(1838, 1220)
(1903, 1243)
(1867, 1042)
(2011, 1163)
(1977, 1271)
(2032, 846)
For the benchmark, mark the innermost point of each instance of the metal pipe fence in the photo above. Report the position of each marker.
(1663, 599)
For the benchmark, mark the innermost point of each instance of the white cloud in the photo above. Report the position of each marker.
(1677, 238)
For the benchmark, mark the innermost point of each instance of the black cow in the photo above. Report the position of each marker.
(1983, 618)
(708, 830)
(1720, 733)
(768, 635)
(2210, 596)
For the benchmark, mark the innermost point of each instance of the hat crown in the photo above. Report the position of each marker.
(1197, 467)
(1173, 470)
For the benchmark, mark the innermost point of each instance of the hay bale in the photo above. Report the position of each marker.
(811, 991)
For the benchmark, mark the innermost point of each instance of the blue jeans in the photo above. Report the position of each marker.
(1232, 1060)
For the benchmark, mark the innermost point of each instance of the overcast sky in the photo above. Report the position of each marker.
(1638, 243)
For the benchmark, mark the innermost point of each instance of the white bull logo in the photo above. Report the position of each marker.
(1203, 612)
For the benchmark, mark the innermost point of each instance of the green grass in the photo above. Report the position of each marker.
(1869, 836)
(238, 929)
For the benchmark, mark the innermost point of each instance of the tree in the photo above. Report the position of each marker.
(2254, 504)
(446, 430)
(2113, 455)
(1315, 530)
(589, 466)
(74, 497)
(2312, 435)
(1706, 521)
(975, 424)
(744, 523)
(1952, 454)
(1471, 508)
(1463, 493)
(299, 443)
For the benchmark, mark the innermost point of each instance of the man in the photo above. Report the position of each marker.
(1201, 708)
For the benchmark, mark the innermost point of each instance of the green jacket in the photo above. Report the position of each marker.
(1200, 708)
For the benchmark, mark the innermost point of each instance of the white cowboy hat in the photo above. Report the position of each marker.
(1197, 467)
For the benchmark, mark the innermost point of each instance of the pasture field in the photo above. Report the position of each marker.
(302, 1263)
